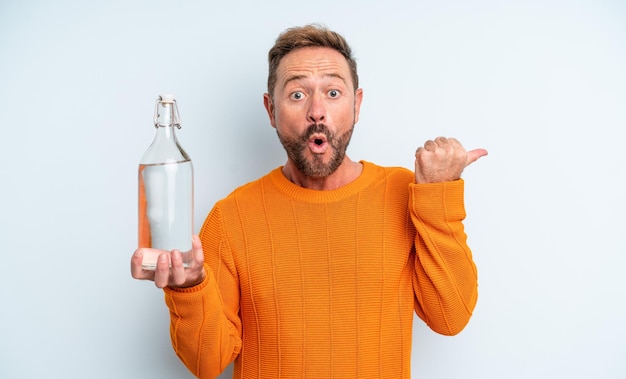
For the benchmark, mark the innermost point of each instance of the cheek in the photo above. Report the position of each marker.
(286, 117)
(343, 116)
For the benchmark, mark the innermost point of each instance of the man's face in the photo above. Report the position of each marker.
(314, 109)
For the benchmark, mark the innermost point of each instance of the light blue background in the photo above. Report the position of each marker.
(540, 84)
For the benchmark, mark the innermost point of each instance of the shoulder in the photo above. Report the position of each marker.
(250, 190)
(396, 174)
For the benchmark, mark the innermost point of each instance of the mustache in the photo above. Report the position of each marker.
(317, 129)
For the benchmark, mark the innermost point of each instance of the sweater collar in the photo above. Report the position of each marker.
(296, 192)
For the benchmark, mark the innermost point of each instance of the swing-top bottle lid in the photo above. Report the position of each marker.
(166, 98)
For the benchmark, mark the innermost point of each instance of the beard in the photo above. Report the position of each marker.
(315, 167)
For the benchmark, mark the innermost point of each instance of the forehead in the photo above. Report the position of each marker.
(311, 61)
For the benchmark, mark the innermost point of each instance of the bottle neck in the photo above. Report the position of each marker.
(165, 147)
(165, 133)
(166, 120)
(166, 115)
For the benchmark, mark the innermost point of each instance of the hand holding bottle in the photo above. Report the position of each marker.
(165, 189)
(169, 267)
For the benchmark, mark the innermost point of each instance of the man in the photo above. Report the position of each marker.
(315, 269)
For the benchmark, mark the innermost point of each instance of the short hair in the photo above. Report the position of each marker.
(312, 35)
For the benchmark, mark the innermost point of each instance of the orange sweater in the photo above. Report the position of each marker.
(323, 284)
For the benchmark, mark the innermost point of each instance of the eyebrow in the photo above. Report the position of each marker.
(293, 78)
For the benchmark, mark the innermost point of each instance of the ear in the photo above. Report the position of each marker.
(358, 98)
(269, 107)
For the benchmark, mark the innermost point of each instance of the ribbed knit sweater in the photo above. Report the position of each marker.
(323, 284)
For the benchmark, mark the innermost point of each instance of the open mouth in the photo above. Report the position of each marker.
(318, 143)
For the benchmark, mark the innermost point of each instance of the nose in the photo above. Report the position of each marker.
(316, 112)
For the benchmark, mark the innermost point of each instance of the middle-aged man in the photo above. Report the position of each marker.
(315, 269)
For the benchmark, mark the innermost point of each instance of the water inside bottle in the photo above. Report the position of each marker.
(165, 210)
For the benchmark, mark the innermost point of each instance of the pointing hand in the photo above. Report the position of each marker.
(443, 160)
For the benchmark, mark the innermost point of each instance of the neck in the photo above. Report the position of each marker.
(347, 172)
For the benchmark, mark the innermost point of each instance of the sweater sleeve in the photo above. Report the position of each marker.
(204, 320)
(445, 278)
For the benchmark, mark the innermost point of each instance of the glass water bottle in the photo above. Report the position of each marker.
(165, 189)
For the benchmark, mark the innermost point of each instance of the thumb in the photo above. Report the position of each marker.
(198, 254)
(473, 155)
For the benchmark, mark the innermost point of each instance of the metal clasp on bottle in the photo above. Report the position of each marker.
(167, 99)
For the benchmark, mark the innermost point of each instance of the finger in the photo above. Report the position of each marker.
(135, 264)
(178, 270)
(441, 141)
(136, 269)
(430, 145)
(198, 253)
(473, 155)
(162, 271)
(198, 260)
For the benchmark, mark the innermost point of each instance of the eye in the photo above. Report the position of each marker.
(297, 95)
(333, 93)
